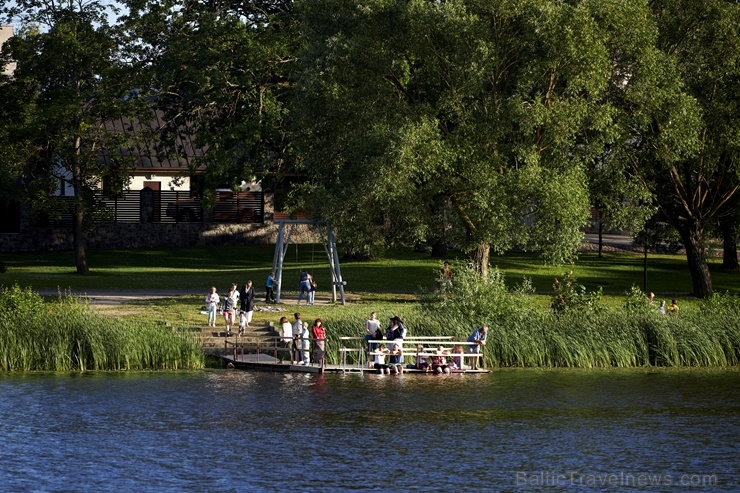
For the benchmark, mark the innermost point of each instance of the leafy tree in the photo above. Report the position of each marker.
(220, 72)
(688, 151)
(470, 121)
(66, 85)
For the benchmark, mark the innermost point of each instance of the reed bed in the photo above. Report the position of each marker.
(67, 335)
(587, 336)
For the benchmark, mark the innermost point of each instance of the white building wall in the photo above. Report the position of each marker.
(5, 34)
(166, 182)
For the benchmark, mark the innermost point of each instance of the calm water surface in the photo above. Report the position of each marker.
(513, 430)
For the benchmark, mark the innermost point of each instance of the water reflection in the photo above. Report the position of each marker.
(513, 430)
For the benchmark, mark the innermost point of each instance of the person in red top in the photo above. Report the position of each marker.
(319, 333)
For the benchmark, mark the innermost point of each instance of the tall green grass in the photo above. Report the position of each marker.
(67, 335)
(588, 336)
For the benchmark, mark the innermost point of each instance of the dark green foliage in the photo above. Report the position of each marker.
(570, 295)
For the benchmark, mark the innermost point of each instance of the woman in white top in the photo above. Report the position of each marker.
(371, 326)
(212, 301)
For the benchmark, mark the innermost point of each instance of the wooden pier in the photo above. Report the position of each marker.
(269, 353)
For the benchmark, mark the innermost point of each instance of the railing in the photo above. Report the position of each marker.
(257, 345)
(366, 349)
(275, 346)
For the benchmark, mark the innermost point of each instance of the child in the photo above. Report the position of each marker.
(242, 322)
(395, 362)
(380, 360)
(457, 363)
(421, 362)
(439, 361)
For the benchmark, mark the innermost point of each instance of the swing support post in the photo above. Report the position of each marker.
(330, 247)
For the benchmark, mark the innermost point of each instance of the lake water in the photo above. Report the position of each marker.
(512, 430)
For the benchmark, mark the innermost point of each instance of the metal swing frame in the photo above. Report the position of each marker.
(330, 246)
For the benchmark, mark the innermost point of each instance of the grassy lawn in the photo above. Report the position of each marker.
(402, 271)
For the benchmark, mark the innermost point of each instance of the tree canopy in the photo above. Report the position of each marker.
(66, 85)
(480, 124)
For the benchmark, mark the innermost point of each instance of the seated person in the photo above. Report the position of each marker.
(395, 362)
(457, 360)
(380, 360)
(421, 362)
(439, 360)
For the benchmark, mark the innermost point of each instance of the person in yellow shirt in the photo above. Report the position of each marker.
(674, 307)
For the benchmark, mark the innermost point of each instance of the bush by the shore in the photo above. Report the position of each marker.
(67, 335)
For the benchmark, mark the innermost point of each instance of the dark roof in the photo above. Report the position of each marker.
(143, 139)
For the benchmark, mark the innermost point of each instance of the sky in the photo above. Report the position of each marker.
(111, 16)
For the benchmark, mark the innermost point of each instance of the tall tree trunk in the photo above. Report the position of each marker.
(480, 259)
(696, 256)
(79, 241)
(78, 217)
(728, 227)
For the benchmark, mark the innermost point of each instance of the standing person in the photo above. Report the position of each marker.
(398, 333)
(286, 335)
(304, 283)
(661, 308)
(372, 325)
(286, 332)
(312, 291)
(270, 288)
(230, 303)
(305, 345)
(242, 322)
(390, 329)
(247, 300)
(297, 328)
(319, 333)
(212, 301)
(478, 337)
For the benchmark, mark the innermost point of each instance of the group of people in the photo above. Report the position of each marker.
(297, 339)
(672, 308)
(306, 284)
(390, 359)
(439, 362)
(237, 303)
